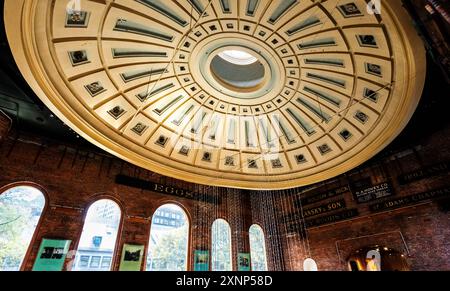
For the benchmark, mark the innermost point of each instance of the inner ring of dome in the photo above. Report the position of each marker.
(238, 70)
(267, 84)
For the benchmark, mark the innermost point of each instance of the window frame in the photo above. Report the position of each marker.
(231, 244)
(264, 241)
(115, 257)
(157, 212)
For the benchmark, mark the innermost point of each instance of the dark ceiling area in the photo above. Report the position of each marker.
(29, 114)
(20, 103)
(432, 113)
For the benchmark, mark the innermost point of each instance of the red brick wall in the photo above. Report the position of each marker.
(421, 232)
(425, 231)
(5, 125)
(73, 179)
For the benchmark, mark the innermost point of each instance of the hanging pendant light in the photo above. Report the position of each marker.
(309, 265)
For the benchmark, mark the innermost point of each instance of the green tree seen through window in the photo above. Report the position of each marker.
(169, 235)
(221, 246)
(20, 210)
(257, 248)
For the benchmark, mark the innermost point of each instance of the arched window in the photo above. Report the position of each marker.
(98, 240)
(221, 246)
(257, 248)
(169, 237)
(20, 210)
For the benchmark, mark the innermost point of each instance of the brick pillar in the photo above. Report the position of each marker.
(5, 125)
(57, 223)
(135, 231)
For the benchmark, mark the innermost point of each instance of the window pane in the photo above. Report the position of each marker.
(257, 248)
(84, 261)
(221, 246)
(95, 262)
(20, 211)
(106, 263)
(168, 246)
(99, 235)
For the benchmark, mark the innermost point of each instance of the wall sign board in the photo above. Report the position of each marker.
(321, 196)
(295, 226)
(243, 262)
(336, 217)
(325, 208)
(201, 260)
(131, 259)
(164, 189)
(367, 194)
(425, 172)
(52, 254)
(409, 200)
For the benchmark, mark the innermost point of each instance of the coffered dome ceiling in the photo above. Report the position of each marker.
(242, 93)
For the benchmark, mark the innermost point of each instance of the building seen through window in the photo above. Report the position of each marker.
(20, 210)
(169, 235)
(257, 248)
(221, 258)
(98, 240)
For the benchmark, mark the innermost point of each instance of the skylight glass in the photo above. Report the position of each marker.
(238, 57)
